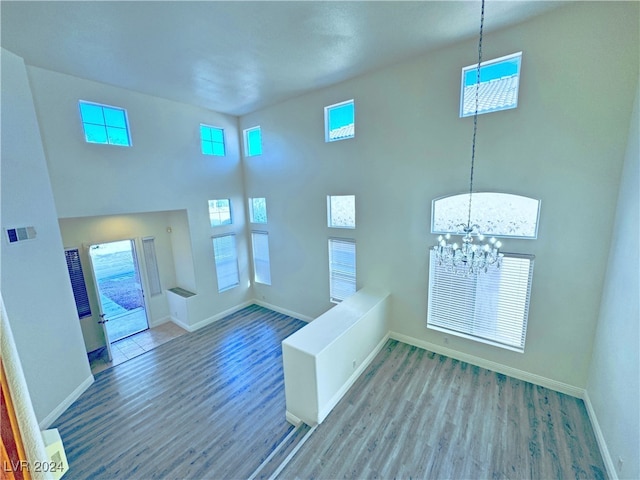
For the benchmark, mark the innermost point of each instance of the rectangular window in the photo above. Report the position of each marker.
(252, 142)
(261, 263)
(489, 307)
(339, 121)
(77, 282)
(151, 264)
(498, 90)
(220, 212)
(104, 124)
(342, 268)
(226, 258)
(341, 211)
(258, 210)
(212, 140)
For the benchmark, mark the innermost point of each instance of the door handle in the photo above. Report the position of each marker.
(104, 320)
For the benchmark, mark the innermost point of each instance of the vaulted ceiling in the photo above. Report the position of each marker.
(239, 56)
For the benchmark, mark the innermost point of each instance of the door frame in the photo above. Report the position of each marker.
(143, 285)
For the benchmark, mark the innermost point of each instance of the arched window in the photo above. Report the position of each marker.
(496, 214)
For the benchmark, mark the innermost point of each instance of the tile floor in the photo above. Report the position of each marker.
(135, 345)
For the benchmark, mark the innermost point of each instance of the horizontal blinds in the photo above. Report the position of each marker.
(342, 268)
(151, 263)
(226, 259)
(261, 263)
(492, 307)
(77, 282)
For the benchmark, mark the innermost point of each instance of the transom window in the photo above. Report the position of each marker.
(258, 210)
(220, 212)
(212, 140)
(339, 121)
(104, 124)
(252, 141)
(499, 84)
(341, 211)
(490, 307)
(496, 214)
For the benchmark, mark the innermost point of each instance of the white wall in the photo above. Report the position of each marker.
(35, 281)
(614, 376)
(164, 170)
(563, 144)
(85, 231)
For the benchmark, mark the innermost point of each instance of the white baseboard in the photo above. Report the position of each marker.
(326, 410)
(66, 403)
(284, 311)
(292, 419)
(212, 319)
(604, 450)
(160, 321)
(493, 366)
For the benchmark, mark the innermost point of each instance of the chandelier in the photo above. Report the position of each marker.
(468, 258)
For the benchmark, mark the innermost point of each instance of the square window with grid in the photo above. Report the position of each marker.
(341, 211)
(220, 212)
(212, 140)
(105, 124)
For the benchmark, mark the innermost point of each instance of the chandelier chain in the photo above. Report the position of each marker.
(475, 115)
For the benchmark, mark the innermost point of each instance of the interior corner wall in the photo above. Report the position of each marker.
(163, 170)
(35, 281)
(614, 376)
(563, 144)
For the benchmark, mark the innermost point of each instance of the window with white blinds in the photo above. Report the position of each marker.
(77, 282)
(490, 307)
(342, 268)
(261, 263)
(151, 264)
(226, 258)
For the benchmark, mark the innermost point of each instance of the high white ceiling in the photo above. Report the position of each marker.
(239, 56)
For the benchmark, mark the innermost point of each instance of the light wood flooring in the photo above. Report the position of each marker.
(210, 405)
(207, 405)
(416, 414)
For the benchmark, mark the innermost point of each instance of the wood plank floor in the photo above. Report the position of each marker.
(416, 414)
(209, 404)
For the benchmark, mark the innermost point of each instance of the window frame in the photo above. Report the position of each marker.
(489, 63)
(78, 276)
(461, 314)
(247, 144)
(210, 129)
(151, 265)
(106, 126)
(221, 262)
(327, 121)
(330, 216)
(211, 218)
(338, 278)
(262, 274)
(252, 217)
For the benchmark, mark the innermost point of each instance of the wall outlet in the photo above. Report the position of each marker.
(354, 364)
(446, 340)
(620, 463)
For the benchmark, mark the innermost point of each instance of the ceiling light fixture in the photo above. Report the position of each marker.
(470, 258)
